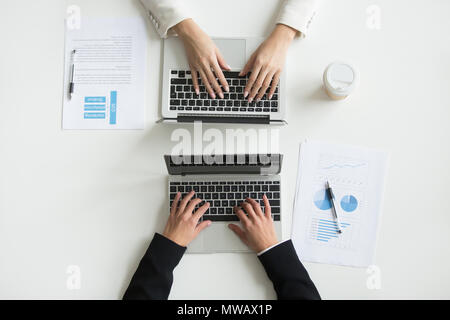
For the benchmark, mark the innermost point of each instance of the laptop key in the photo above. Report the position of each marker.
(274, 203)
(274, 187)
(177, 81)
(229, 217)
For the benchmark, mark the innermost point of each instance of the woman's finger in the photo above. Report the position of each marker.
(221, 61)
(183, 202)
(191, 206)
(264, 86)
(238, 231)
(258, 83)
(274, 84)
(219, 74)
(212, 80)
(202, 226)
(267, 209)
(255, 71)
(241, 215)
(174, 206)
(249, 209)
(256, 206)
(194, 76)
(200, 211)
(248, 66)
(206, 83)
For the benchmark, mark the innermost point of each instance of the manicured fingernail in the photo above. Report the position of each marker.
(258, 99)
(213, 95)
(270, 97)
(221, 95)
(209, 222)
(228, 67)
(227, 89)
(245, 94)
(250, 100)
(197, 91)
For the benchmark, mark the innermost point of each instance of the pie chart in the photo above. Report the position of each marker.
(349, 203)
(321, 200)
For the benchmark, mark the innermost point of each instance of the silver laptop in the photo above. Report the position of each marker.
(225, 181)
(180, 103)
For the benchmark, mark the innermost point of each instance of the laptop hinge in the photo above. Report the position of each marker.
(224, 118)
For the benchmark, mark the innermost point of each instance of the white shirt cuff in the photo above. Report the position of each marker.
(267, 249)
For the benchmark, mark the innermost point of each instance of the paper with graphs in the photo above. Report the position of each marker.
(105, 60)
(357, 177)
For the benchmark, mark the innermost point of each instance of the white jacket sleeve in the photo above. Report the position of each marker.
(298, 14)
(164, 14)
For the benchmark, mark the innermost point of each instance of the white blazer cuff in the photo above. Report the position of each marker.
(298, 15)
(165, 14)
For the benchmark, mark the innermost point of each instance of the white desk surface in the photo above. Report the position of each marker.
(95, 198)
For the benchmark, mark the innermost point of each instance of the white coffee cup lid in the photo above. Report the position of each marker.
(340, 78)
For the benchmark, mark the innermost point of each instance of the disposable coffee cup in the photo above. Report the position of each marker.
(340, 80)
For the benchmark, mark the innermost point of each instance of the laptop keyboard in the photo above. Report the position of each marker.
(184, 98)
(224, 195)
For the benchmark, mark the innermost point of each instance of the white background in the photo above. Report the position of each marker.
(94, 199)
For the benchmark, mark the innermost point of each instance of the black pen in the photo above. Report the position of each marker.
(333, 207)
(72, 69)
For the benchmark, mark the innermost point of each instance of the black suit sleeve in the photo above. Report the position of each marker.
(290, 279)
(154, 275)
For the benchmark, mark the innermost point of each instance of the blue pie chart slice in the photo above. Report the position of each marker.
(349, 203)
(321, 200)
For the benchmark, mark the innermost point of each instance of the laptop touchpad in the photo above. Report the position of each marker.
(233, 50)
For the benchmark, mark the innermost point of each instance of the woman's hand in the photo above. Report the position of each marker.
(203, 57)
(182, 226)
(266, 63)
(258, 233)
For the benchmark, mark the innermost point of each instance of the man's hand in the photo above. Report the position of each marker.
(258, 233)
(182, 226)
(267, 62)
(204, 58)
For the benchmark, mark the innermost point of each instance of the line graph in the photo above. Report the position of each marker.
(341, 166)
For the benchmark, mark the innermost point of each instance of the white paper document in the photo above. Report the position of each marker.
(357, 177)
(108, 58)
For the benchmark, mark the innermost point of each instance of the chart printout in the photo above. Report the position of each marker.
(107, 59)
(356, 176)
